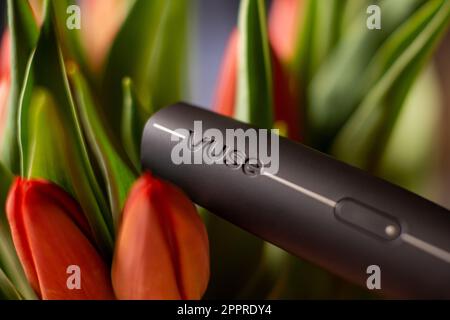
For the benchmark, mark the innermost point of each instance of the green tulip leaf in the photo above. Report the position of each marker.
(235, 257)
(343, 80)
(320, 32)
(7, 289)
(150, 48)
(50, 138)
(53, 154)
(254, 88)
(304, 280)
(133, 122)
(403, 56)
(116, 171)
(70, 39)
(409, 162)
(269, 276)
(24, 33)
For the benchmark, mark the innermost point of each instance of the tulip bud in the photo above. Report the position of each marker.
(52, 239)
(162, 249)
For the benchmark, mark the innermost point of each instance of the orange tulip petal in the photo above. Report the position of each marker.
(193, 263)
(224, 102)
(284, 22)
(48, 240)
(162, 247)
(101, 22)
(5, 55)
(19, 235)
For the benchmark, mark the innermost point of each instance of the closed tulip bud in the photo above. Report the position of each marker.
(52, 239)
(162, 249)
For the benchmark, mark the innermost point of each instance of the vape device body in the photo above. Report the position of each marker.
(315, 207)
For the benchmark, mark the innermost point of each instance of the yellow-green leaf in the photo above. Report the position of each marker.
(116, 170)
(133, 121)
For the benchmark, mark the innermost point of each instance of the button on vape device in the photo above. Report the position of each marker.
(320, 209)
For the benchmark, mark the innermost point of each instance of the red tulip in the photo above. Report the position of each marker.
(162, 247)
(5, 80)
(285, 105)
(284, 23)
(51, 236)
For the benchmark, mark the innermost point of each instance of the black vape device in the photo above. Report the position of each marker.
(320, 209)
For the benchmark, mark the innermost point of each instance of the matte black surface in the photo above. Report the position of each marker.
(345, 238)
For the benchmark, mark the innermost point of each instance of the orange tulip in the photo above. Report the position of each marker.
(101, 22)
(162, 247)
(51, 236)
(5, 80)
(284, 23)
(285, 105)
